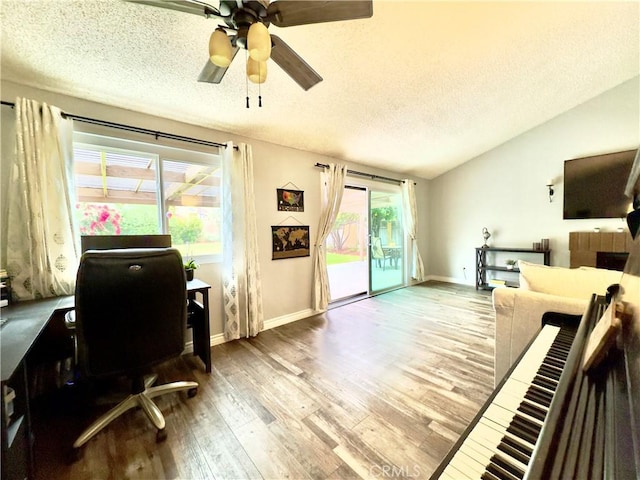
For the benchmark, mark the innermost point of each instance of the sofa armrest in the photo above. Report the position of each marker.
(519, 318)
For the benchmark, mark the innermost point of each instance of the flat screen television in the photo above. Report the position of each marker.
(594, 186)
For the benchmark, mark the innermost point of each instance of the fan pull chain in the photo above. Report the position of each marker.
(259, 87)
(246, 78)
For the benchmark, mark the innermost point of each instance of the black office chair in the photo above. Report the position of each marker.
(131, 310)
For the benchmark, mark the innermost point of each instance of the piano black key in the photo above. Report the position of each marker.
(539, 396)
(541, 392)
(514, 453)
(516, 445)
(558, 354)
(500, 472)
(545, 382)
(489, 476)
(526, 423)
(520, 432)
(532, 411)
(550, 372)
(556, 362)
(507, 466)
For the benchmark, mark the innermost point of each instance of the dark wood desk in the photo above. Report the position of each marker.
(23, 324)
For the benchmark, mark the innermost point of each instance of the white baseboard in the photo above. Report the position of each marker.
(284, 319)
(459, 281)
(218, 339)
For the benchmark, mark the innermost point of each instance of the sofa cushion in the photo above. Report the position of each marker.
(568, 282)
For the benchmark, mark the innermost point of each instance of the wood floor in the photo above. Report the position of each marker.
(379, 388)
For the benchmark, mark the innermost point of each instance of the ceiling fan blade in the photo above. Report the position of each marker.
(189, 6)
(212, 73)
(293, 64)
(287, 13)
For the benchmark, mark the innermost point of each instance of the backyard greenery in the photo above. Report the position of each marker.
(186, 229)
(336, 258)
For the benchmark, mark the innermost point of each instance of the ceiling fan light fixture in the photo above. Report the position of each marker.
(256, 71)
(259, 42)
(220, 48)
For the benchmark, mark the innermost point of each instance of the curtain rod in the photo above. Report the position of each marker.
(130, 128)
(372, 176)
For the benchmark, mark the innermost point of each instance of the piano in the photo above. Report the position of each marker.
(548, 419)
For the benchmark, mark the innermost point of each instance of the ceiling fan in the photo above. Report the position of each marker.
(245, 26)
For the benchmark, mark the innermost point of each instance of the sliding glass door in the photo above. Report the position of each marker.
(387, 240)
(365, 249)
(347, 246)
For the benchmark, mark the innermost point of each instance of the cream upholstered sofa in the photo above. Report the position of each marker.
(542, 289)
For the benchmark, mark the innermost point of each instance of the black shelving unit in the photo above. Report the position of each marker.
(482, 267)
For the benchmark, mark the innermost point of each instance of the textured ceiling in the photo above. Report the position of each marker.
(419, 88)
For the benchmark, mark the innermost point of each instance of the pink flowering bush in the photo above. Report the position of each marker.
(99, 219)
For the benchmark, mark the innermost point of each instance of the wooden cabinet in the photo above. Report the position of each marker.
(482, 266)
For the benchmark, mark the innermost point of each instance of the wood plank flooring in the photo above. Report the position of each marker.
(379, 388)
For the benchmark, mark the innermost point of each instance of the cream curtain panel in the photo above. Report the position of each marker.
(410, 214)
(42, 247)
(241, 287)
(332, 188)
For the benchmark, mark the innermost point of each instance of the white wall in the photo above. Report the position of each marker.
(286, 284)
(504, 189)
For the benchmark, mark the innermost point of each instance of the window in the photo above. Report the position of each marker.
(127, 187)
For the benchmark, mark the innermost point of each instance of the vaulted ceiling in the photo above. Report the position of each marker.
(419, 88)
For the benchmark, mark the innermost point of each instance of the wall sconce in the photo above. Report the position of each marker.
(550, 187)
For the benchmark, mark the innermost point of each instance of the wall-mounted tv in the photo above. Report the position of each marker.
(594, 186)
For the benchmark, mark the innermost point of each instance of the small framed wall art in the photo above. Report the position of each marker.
(290, 200)
(290, 241)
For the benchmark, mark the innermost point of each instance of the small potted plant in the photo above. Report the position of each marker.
(510, 264)
(189, 267)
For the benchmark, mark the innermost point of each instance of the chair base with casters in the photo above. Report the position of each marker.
(143, 400)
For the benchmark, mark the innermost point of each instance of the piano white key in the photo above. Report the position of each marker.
(479, 446)
(474, 456)
(454, 473)
(528, 366)
(511, 404)
(470, 466)
(499, 415)
(476, 451)
(516, 389)
(499, 428)
(511, 389)
(490, 437)
(448, 475)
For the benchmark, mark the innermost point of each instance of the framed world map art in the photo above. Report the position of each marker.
(290, 241)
